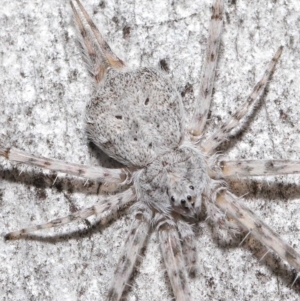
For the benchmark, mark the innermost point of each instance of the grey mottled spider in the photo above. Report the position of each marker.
(136, 117)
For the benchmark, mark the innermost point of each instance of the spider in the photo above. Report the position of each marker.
(171, 171)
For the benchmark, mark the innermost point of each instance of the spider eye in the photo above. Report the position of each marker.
(172, 199)
(189, 197)
(191, 187)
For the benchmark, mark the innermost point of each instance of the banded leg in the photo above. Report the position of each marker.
(174, 260)
(234, 123)
(207, 82)
(245, 168)
(111, 204)
(97, 52)
(189, 251)
(133, 245)
(230, 204)
(101, 174)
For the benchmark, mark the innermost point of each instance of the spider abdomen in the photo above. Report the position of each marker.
(135, 116)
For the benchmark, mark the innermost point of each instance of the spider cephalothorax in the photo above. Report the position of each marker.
(175, 181)
(137, 118)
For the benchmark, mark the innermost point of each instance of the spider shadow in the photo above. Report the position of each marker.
(278, 192)
(41, 181)
(36, 177)
(274, 264)
(103, 159)
(269, 191)
(259, 189)
(264, 258)
(87, 232)
(251, 188)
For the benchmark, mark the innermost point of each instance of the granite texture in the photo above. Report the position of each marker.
(44, 89)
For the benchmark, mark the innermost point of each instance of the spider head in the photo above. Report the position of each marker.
(183, 197)
(175, 181)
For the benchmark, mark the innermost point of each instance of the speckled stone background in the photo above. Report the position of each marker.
(44, 88)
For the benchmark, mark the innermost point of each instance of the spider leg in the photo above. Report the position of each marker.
(101, 174)
(207, 82)
(135, 241)
(111, 204)
(234, 123)
(231, 204)
(244, 168)
(173, 257)
(97, 52)
(189, 251)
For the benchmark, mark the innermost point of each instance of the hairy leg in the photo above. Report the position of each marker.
(232, 206)
(207, 82)
(101, 174)
(111, 204)
(95, 49)
(235, 124)
(189, 251)
(135, 241)
(174, 260)
(244, 168)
